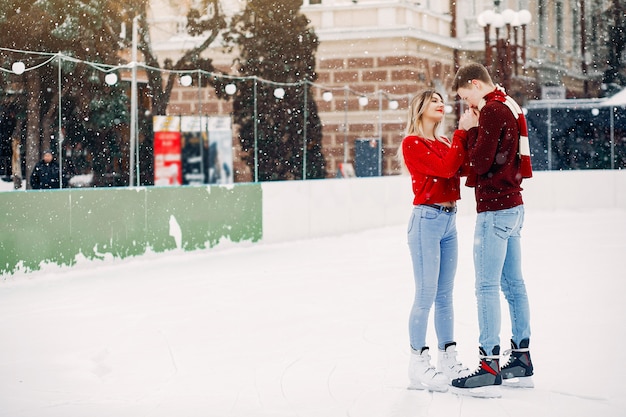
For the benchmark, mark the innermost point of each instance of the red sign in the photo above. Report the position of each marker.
(167, 160)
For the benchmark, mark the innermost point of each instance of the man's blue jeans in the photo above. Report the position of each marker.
(432, 240)
(497, 264)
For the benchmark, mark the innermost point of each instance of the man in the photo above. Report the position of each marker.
(499, 158)
(45, 175)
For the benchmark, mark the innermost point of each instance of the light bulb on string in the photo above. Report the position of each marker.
(18, 68)
(186, 80)
(230, 89)
(279, 93)
(110, 79)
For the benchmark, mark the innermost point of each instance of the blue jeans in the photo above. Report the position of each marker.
(432, 240)
(497, 264)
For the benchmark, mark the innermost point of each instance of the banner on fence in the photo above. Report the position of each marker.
(220, 151)
(167, 158)
(194, 137)
(192, 150)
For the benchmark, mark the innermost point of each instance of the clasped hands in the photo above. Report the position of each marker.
(469, 119)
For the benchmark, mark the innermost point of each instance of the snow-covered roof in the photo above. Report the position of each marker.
(618, 99)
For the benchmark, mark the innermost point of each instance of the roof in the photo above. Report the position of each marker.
(618, 99)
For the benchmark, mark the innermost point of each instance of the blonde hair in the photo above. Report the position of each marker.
(417, 107)
(414, 125)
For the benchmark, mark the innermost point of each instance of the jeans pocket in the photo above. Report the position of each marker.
(411, 222)
(504, 223)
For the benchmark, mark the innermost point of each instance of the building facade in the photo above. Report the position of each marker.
(387, 50)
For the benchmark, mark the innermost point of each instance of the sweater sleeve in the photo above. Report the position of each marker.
(426, 160)
(483, 146)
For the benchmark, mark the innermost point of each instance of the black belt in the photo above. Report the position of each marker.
(441, 208)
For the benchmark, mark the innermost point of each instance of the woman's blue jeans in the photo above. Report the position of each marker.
(497, 265)
(432, 240)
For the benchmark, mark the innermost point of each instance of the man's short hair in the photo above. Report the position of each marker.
(469, 72)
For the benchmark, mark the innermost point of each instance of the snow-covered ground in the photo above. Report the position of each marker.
(309, 328)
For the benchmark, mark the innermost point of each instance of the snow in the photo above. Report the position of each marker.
(314, 327)
(618, 99)
(8, 186)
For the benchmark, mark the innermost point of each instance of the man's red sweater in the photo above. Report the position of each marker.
(494, 160)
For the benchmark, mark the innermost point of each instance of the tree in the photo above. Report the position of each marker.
(86, 30)
(89, 30)
(608, 36)
(204, 21)
(276, 43)
(615, 73)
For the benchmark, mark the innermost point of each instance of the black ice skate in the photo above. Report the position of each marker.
(485, 381)
(518, 371)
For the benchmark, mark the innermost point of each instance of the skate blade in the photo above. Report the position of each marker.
(523, 382)
(491, 391)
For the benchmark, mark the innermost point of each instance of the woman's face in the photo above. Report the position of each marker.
(435, 109)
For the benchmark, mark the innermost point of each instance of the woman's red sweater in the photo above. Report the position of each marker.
(434, 167)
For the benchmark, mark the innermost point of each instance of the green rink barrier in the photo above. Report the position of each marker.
(62, 226)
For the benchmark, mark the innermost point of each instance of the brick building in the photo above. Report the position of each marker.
(387, 50)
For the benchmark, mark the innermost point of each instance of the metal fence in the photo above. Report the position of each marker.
(577, 134)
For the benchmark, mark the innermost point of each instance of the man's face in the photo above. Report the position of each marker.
(47, 157)
(470, 94)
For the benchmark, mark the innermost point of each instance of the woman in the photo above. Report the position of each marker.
(434, 163)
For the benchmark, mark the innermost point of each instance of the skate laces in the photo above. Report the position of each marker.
(451, 361)
(477, 370)
(424, 357)
(511, 358)
(520, 350)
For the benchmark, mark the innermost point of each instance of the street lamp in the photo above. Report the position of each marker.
(508, 52)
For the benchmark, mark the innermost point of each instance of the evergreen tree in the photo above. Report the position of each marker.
(616, 71)
(89, 30)
(607, 33)
(276, 43)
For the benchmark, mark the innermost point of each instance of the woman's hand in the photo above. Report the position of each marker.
(469, 119)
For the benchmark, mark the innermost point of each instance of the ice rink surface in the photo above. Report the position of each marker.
(313, 328)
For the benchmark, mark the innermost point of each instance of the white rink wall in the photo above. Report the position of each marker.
(294, 210)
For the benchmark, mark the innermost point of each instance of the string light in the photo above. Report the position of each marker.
(18, 67)
(279, 93)
(185, 79)
(110, 78)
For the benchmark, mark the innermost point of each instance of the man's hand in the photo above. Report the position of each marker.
(469, 119)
